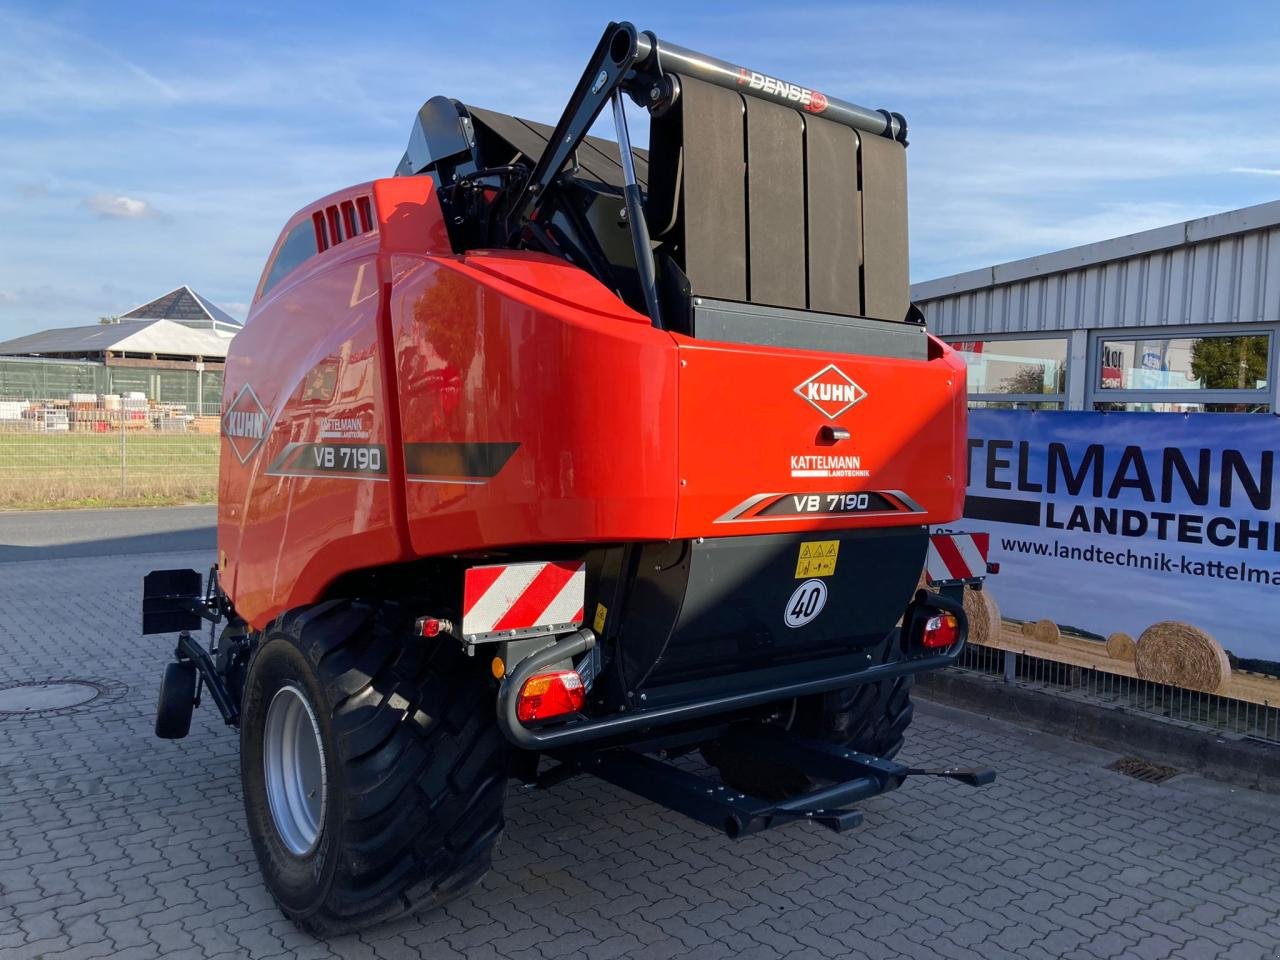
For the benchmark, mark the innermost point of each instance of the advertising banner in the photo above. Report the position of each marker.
(1109, 523)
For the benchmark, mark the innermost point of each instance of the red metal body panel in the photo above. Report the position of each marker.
(515, 400)
(590, 397)
(742, 426)
(312, 351)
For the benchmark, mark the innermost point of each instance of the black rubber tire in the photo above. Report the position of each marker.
(415, 763)
(177, 701)
(872, 718)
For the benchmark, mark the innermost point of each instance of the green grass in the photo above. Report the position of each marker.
(71, 502)
(43, 470)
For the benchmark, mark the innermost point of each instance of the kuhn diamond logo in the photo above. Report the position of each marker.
(245, 423)
(831, 391)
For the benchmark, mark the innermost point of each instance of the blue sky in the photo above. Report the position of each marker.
(145, 145)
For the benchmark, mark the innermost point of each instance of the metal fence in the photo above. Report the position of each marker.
(1206, 710)
(91, 447)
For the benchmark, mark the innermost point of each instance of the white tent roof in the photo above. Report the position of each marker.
(164, 337)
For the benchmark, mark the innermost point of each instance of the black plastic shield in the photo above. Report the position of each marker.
(699, 610)
(171, 601)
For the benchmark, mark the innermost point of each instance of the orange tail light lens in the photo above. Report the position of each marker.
(551, 694)
(941, 630)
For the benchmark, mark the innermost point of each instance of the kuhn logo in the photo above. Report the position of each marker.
(245, 423)
(810, 100)
(830, 391)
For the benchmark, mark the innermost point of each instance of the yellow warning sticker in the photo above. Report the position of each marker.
(601, 613)
(817, 558)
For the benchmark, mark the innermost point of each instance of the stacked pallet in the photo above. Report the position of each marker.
(134, 411)
(86, 415)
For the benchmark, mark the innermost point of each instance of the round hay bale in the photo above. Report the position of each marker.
(997, 620)
(1045, 631)
(983, 614)
(1028, 628)
(1120, 646)
(1181, 655)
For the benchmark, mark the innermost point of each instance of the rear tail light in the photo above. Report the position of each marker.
(431, 626)
(941, 630)
(551, 694)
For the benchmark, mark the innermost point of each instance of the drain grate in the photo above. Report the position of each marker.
(1143, 770)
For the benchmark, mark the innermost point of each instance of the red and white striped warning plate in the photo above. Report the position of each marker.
(523, 596)
(957, 556)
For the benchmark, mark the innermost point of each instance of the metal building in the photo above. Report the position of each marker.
(171, 349)
(1182, 318)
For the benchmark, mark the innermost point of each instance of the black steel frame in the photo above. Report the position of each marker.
(640, 65)
(774, 687)
(179, 600)
(617, 749)
(846, 776)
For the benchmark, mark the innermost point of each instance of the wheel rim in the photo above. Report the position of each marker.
(293, 760)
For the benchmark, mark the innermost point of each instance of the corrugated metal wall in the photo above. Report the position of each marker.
(1230, 279)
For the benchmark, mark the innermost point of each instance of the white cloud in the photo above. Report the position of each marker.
(1261, 171)
(119, 207)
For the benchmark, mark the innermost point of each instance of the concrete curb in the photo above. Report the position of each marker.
(1219, 756)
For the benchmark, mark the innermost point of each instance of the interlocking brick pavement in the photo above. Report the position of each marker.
(115, 844)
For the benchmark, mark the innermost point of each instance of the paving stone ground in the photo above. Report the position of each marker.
(115, 844)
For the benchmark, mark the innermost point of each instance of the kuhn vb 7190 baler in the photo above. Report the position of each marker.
(548, 455)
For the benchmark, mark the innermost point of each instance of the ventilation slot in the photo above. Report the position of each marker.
(322, 235)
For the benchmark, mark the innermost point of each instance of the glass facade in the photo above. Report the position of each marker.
(1023, 367)
(1016, 374)
(1191, 371)
(34, 379)
(1185, 363)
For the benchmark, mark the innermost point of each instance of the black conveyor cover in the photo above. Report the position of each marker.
(597, 159)
(771, 205)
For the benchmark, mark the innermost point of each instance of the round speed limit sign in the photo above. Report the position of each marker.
(806, 603)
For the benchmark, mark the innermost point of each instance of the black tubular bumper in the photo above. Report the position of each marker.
(619, 725)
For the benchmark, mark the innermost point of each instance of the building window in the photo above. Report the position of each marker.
(1186, 363)
(1023, 374)
(1212, 373)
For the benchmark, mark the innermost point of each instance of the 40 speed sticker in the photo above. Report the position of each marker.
(806, 603)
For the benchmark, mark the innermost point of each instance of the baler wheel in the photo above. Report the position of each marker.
(414, 768)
